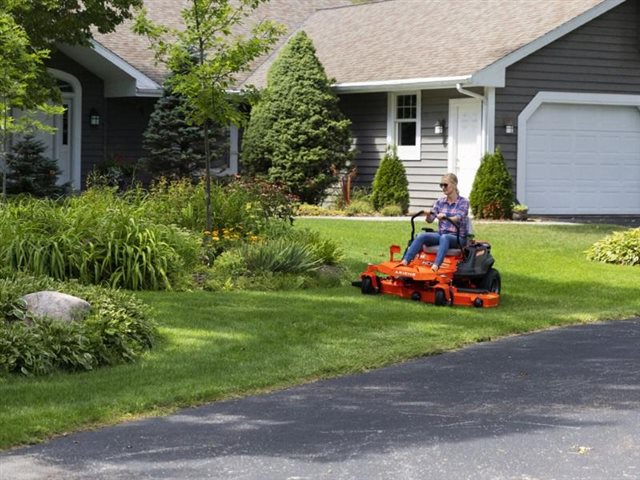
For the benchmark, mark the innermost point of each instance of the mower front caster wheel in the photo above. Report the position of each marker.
(367, 287)
(440, 298)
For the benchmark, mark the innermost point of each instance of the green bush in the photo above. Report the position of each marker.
(391, 211)
(117, 329)
(492, 193)
(360, 207)
(297, 135)
(622, 248)
(390, 186)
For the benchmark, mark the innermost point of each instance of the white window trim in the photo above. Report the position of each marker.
(558, 97)
(404, 152)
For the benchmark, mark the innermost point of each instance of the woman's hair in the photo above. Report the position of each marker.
(451, 178)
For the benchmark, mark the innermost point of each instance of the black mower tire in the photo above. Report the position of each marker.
(491, 281)
(440, 298)
(367, 286)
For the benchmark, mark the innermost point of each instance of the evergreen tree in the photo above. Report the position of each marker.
(29, 171)
(492, 191)
(390, 185)
(297, 134)
(174, 148)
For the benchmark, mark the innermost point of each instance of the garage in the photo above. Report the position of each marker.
(580, 159)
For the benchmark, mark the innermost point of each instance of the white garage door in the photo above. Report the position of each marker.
(583, 159)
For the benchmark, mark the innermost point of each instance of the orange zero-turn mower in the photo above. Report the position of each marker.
(466, 276)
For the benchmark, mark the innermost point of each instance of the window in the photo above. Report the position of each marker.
(404, 124)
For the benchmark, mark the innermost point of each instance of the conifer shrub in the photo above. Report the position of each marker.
(390, 186)
(173, 147)
(31, 172)
(492, 193)
(297, 135)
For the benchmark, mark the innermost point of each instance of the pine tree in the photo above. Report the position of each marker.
(297, 135)
(31, 172)
(173, 147)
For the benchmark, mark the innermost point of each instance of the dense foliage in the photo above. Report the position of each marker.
(297, 134)
(390, 185)
(117, 329)
(492, 191)
(31, 172)
(69, 21)
(622, 248)
(174, 147)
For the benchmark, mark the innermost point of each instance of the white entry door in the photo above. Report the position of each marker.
(58, 144)
(465, 141)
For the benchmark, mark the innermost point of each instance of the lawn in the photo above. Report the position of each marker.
(217, 346)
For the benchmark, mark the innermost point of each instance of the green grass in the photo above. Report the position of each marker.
(223, 345)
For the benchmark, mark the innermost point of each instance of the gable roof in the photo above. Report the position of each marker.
(396, 44)
(135, 58)
(378, 46)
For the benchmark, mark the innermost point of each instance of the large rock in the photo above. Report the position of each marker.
(56, 305)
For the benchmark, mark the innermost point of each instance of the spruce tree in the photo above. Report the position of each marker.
(173, 147)
(31, 172)
(390, 185)
(297, 135)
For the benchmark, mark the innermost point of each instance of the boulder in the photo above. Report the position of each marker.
(56, 305)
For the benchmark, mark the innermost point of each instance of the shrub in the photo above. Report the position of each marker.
(391, 211)
(316, 210)
(492, 194)
(297, 135)
(622, 248)
(118, 329)
(31, 172)
(390, 186)
(360, 207)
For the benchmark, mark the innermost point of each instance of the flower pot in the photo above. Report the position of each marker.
(521, 215)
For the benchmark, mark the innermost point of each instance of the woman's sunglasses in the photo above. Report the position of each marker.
(444, 185)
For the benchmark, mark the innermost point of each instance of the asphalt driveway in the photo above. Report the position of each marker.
(560, 404)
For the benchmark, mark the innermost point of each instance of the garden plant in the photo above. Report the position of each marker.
(491, 193)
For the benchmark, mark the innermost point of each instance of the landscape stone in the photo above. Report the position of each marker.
(56, 305)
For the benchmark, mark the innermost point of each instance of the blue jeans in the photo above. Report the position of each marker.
(444, 242)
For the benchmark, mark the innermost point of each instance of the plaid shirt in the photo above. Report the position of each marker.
(459, 208)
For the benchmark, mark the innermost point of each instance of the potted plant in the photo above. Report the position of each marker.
(520, 212)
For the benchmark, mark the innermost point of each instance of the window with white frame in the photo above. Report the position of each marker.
(403, 124)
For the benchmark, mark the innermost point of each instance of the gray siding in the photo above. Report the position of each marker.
(601, 57)
(368, 114)
(128, 119)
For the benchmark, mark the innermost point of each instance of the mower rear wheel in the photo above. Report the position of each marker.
(491, 281)
(367, 286)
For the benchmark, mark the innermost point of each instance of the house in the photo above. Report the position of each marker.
(555, 84)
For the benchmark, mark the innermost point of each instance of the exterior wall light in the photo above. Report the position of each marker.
(94, 118)
(509, 128)
(439, 127)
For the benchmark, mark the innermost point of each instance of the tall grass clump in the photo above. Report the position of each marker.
(97, 238)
